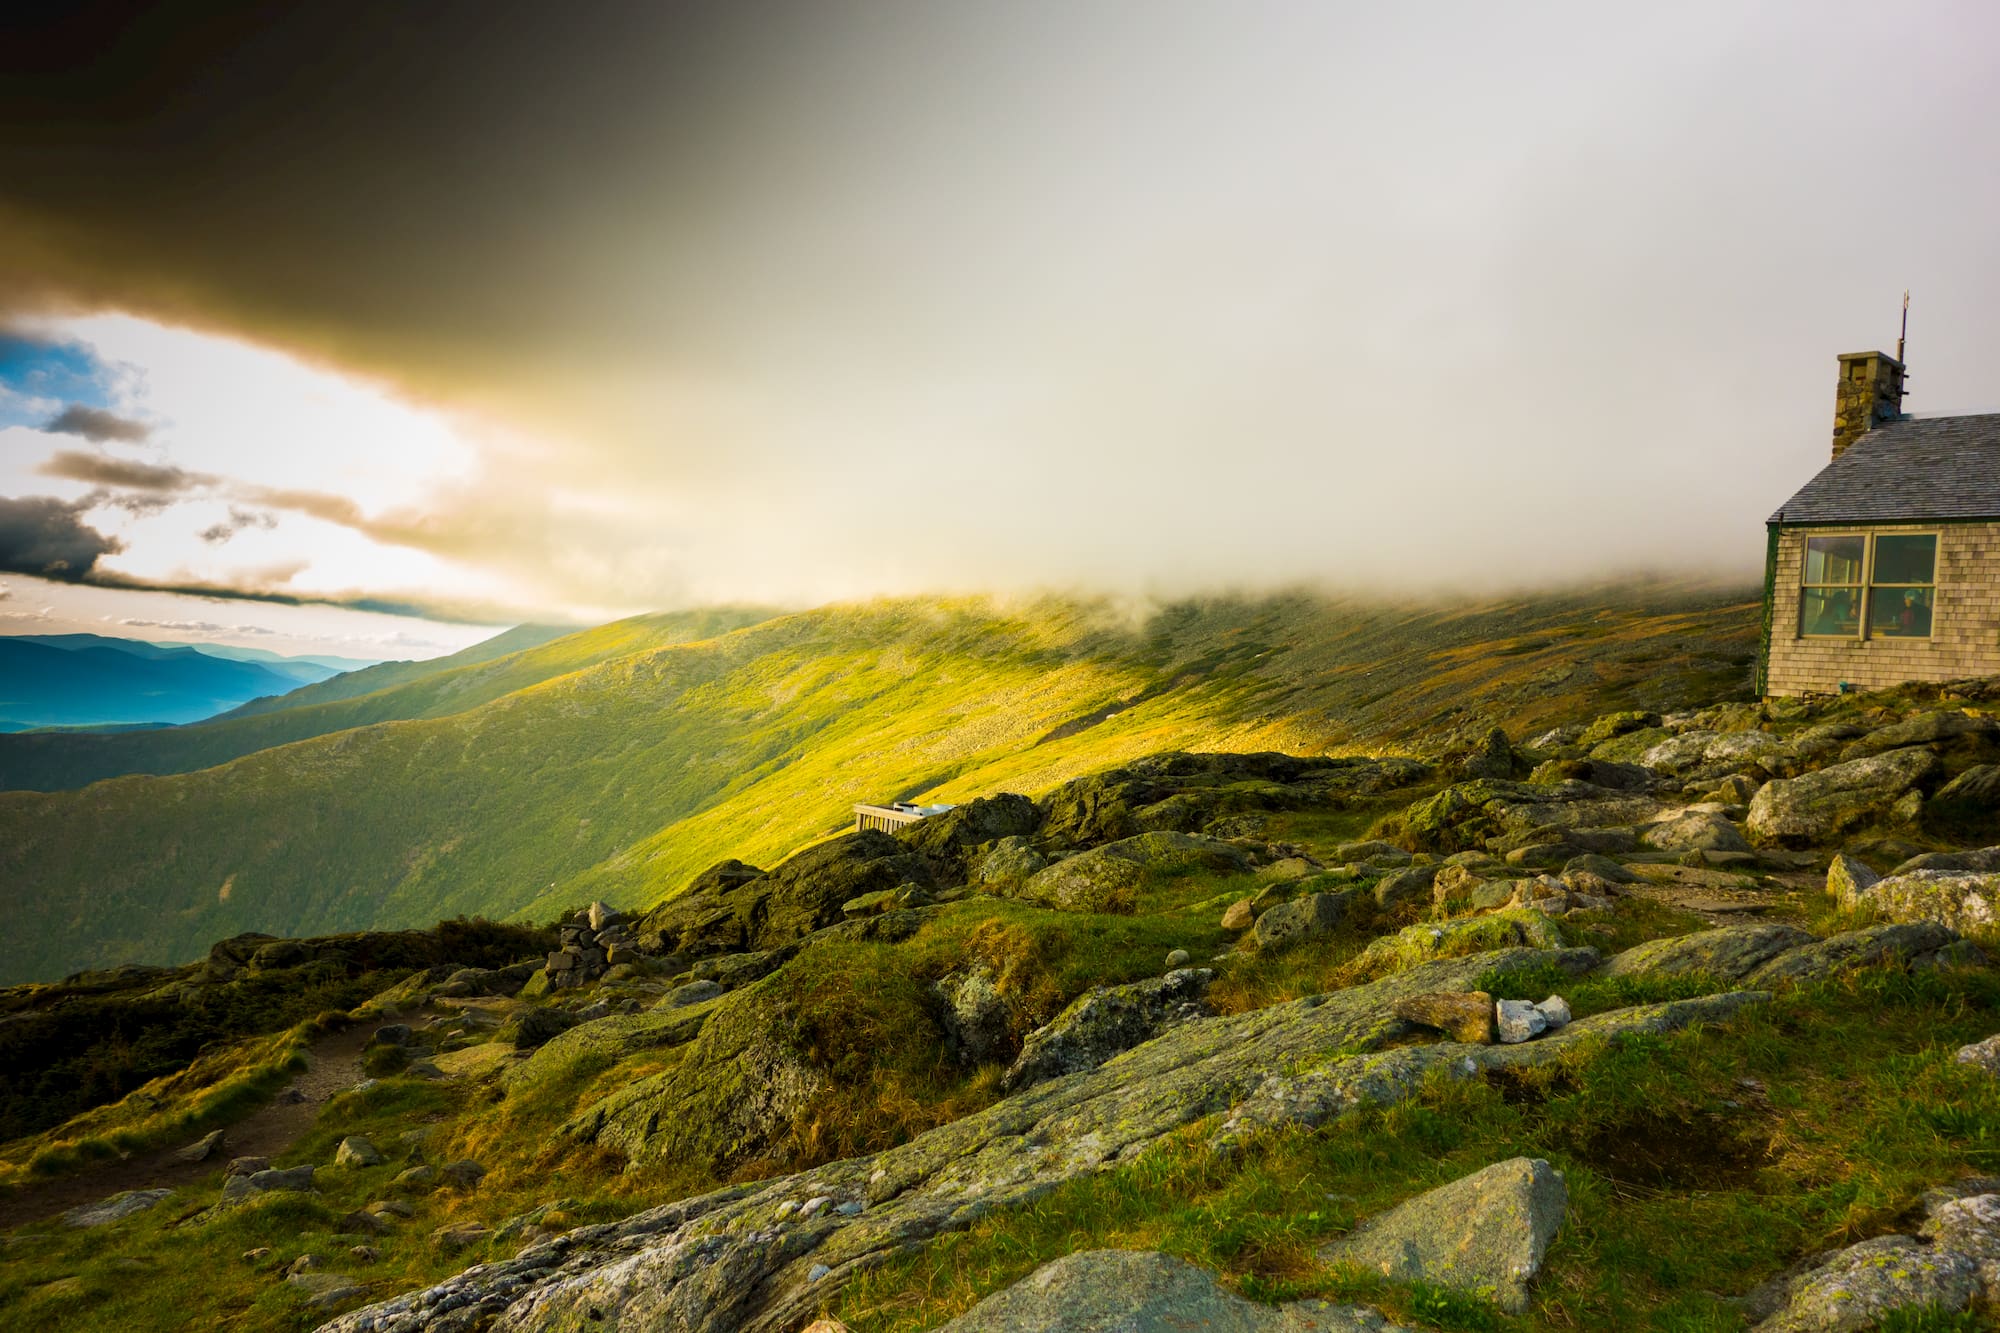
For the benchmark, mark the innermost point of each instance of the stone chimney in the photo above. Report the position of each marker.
(1870, 393)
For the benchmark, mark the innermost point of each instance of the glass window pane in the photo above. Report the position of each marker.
(1900, 613)
(1826, 611)
(1905, 559)
(1834, 559)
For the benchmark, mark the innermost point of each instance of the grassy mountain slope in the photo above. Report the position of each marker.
(623, 778)
(393, 691)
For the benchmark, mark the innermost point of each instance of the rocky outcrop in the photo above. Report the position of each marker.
(1106, 1020)
(735, 908)
(1288, 923)
(1917, 944)
(1137, 1291)
(1729, 953)
(1447, 939)
(741, 1258)
(116, 1208)
(1484, 1233)
(1107, 878)
(1966, 901)
(1820, 806)
(1856, 1288)
(1186, 792)
(950, 842)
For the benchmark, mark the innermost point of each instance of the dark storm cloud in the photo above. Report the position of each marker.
(101, 470)
(97, 425)
(46, 537)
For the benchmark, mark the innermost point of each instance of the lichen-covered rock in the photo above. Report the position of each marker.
(1858, 1286)
(1106, 1020)
(1967, 901)
(1412, 884)
(297, 1179)
(356, 1152)
(116, 1208)
(1940, 730)
(1138, 1291)
(1468, 815)
(1984, 859)
(1695, 830)
(1107, 878)
(1461, 1015)
(1818, 807)
(1611, 725)
(1728, 953)
(949, 842)
(1981, 1055)
(976, 1016)
(1910, 944)
(531, 1027)
(1286, 924)
(1510, 928)
(744, 1081)
(1484, 1233)
(734, 908)
(1008, 864)
(1846, 879)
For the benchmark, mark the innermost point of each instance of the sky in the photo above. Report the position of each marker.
(483, 311)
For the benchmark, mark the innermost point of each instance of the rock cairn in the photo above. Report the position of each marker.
(594, 941)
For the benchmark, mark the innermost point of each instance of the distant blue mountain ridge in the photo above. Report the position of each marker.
(92, 680)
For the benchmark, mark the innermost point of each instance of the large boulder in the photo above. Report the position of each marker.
(1106, 1020)
(950, 841)
(1818, 807)
(1942, 730)
(1695, 830)
(742, 1085)
(1007, 864)
(1286, 924)
(1729, 953)
(1967, 901)
(1140, 1291)
(1484, 1233)
(1107, 878)
(977, 1019)
(1970, 800)
(1907, 945)
(1856, 1288)
(734, 908)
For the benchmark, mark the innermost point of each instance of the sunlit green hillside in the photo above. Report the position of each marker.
(623, 777)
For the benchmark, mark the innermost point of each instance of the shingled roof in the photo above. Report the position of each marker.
(1909, 471)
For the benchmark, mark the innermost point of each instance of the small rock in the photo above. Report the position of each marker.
(366, 1254)
(603, 914)
(1178, 958)
(463, 1175)
(116, 1208)
(812, 1208)
(392, 1034)
(420, 1177)
(1847, 879)
(392, 1208)
(1239, 917)
(356, 1152)
(202, 1148)
(289, 1097)
(851, 1209)
(1462, 1015)
(694, 992)
(247, 1166)
(305, 1263)
(359, 1223)
(816, 1272)
(1982, 1055)
(258, 1255)
(1554, 1012)
(453, 1238)
(1518, 1021)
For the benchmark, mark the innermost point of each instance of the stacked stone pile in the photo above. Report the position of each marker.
(594, 941)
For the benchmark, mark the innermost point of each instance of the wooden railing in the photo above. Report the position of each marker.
(881, 817)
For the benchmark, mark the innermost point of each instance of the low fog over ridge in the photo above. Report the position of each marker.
(1150, 299)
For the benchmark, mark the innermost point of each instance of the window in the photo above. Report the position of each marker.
(1901, 587)
(1892, 576)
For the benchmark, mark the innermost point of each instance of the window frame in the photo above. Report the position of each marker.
(1866, 587)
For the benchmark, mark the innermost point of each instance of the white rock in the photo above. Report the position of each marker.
(1554, 1011)
(1984, 1054)
(814, 1206)
(1518, 1020)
